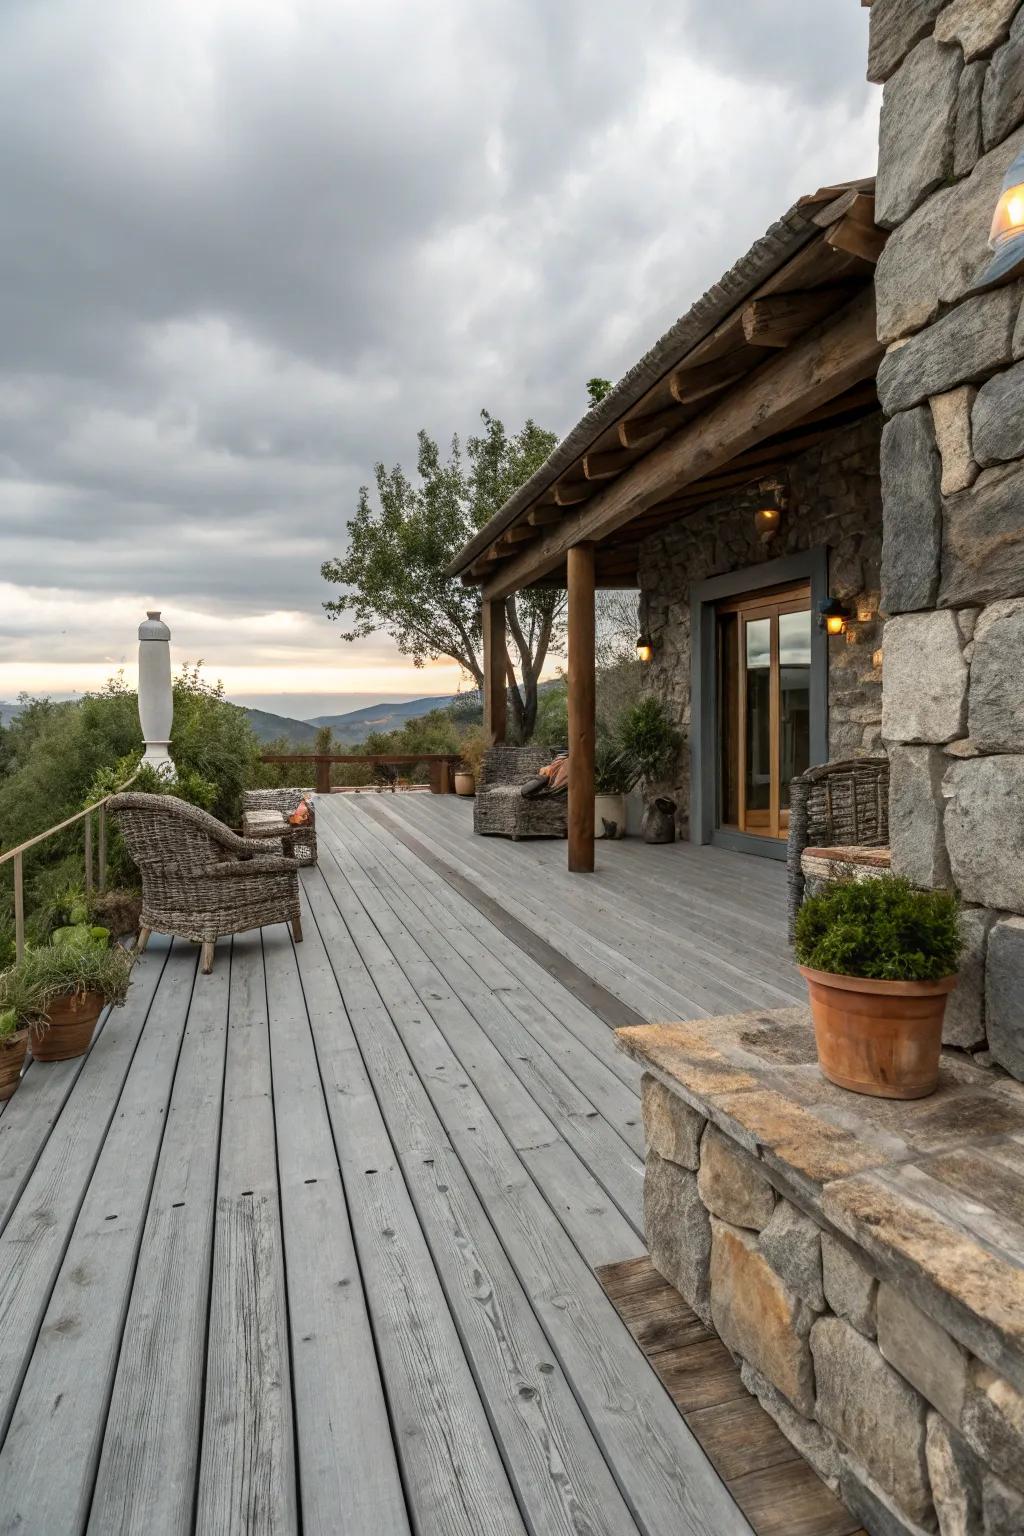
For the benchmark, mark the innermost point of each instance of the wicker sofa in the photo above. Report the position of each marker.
(200, 881)
(501, 811)
(836, 805)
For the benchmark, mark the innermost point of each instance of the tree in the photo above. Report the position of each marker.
(392, 574)
(597, 389)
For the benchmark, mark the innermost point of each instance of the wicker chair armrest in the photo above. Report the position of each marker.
(242, 869)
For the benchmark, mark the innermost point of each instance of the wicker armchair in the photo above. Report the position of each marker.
(199, 879)
(843, 805)
(501, 811)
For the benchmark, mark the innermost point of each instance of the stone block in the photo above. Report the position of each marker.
(1002, 101)
(922, 1352)
(671, 1128)
(791, 1242)
(934, 258)
(951, 417)
(997, 421)
(1002, 1508)
(678, 1232)
(969, 141)
(985, 831)
(924, 696)
(758, 1317)
(964, 1023)
(849, 1288)
(995, 706)
(916, 810)
(873, 1412)
(993, 1425)
(874, 1508)
(916, 131)
(895, 26)
(912, 517)
(815, 1444)
(977, 25)
(983, 539)
(730, 1183)
(955, 1476)
(968, 344)
(1004, 994)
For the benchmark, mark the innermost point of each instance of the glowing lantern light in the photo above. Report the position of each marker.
(1007, 236)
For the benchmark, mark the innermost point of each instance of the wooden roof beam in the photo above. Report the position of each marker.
(542, 517)
(603, 466)
(774, 398)
(779, 319)
(689, 384)
(569, 493)
(640, 429)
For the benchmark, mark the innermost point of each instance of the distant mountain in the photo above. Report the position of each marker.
(268, 727)
(355, 725)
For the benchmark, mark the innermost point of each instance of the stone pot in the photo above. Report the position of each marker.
(12, 1059)
(659, 821)
(68, 1027)
(609, 815)
(465, 784)
(882, 1038)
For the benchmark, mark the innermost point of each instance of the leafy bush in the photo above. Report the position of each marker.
(8, 1023)
(881, 929)
(648, 739)
(43, 974)
(552, 725)
(614, 774)
(473, 746)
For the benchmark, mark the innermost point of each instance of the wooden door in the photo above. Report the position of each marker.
(764, 675)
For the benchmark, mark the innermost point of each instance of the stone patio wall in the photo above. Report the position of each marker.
(913, 1431)
(834, 500)
(952, 386)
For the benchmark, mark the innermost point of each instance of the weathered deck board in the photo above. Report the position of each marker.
(362, 1188)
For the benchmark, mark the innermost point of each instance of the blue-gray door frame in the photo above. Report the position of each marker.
(811, 566)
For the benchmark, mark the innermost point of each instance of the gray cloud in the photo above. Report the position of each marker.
(249, 246)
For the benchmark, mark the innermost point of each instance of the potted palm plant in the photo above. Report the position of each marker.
(614, 777)
(13, 1046)
(880, 959)
(60, 990)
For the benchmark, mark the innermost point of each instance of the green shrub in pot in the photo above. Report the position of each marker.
(883, 928)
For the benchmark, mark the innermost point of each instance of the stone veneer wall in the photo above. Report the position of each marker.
(911, 1430)
(834, 500)
(952, 384)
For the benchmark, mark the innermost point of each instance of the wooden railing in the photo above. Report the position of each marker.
(95, 860)
(442, 765)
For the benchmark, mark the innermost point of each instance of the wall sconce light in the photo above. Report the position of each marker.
(767, 521)
(833, 616)
(1007, 236)
(644, 648)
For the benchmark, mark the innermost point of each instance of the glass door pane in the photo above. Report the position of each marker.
(758, 723)
(795, 699)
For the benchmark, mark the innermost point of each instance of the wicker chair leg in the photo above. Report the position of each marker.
(206, 959)
(142, 939)
(296, 927)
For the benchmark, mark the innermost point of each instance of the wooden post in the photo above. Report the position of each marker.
(19, 907)
(582, 728)
(102, 820)
(88, 856)
(323, 775)
(495, 672)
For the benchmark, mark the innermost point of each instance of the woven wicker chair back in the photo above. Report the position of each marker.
(161, 830)
(512, 765)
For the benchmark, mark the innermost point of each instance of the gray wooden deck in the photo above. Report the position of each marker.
(309, 1244)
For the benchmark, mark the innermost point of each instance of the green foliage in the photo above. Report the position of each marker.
(881, 929)
(393, 572)
(597, 389)
(8, 1023)
(648, 739)
(82, 934)
(473, 747)
(552, 727)
(53, 970)
(613, 772)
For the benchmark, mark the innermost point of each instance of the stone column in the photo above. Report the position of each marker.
(156, 699)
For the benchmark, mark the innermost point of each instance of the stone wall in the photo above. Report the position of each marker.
(952, 384)
(913, 1431)
(834, 501)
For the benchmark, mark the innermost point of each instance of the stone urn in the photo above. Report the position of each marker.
(609, 815)
(659, 821)
(465, 783)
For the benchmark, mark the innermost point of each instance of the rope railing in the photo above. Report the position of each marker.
(95, 863)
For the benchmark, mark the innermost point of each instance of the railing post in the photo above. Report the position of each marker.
(19, 907)
(88, 855)
(323, 776)
(102, 819)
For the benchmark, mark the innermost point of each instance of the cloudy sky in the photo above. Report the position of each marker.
(247, 247)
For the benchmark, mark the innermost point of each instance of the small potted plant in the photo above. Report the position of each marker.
(472, 748)
(614, 777)
(880, 959)
(13, 1046)
(61, 989)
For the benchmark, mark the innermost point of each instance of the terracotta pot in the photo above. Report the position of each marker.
(878, 1037)
(68, 1031)
(609, 811)
(465, 784)
(12, 1059)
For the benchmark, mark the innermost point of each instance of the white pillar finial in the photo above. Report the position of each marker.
(156, 700)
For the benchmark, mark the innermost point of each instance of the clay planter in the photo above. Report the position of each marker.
(465, 784)
(878, 1037)
(609, 810)
(12, 1059)
(68, 1031)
